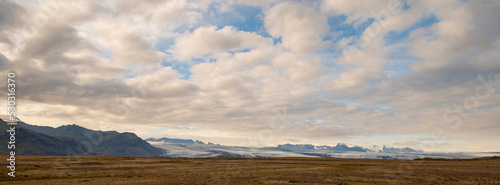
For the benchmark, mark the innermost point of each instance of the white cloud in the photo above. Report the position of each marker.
(206, 40)
(299, 26)
(359, 11)
(126, 44)
(162, 83)
(153, 10)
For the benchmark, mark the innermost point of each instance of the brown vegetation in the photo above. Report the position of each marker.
(160, 170)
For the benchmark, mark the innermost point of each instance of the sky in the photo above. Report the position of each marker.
(423, 74)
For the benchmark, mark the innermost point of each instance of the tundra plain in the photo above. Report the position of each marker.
(163, 170)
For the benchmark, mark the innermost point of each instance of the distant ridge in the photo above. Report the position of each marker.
(195, 148)
(178, 141)
(342, 147)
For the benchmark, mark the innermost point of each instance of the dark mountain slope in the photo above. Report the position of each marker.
(90, 141)
(32, 143)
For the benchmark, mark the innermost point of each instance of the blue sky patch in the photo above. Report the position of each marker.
(394, 37)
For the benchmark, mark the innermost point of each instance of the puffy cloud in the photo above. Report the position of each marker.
(368, 55)
(458, 48)
(53, 41)
(299, 26)
(126, 44)
(357, 11)
(11, 15)
(299, 70)
(206, 40)
(3, 61)
(163, 83)
(157, 12)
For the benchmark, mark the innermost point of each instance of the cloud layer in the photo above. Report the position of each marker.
(320, 72)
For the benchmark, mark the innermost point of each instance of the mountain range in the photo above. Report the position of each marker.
(179, 141)
(28, 142)
(341, 147)
(195, 148)
(75, 140)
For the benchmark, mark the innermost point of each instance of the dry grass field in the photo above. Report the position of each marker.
(158, 170)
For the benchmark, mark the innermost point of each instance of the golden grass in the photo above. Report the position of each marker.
(161, 170)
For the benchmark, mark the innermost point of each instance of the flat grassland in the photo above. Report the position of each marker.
(160, 170)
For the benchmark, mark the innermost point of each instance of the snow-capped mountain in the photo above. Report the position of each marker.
(215, 150)
(341, 147)
(390, 149)
(195, 148)
(178, 141)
